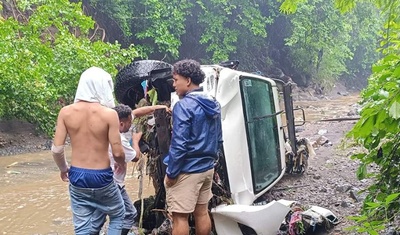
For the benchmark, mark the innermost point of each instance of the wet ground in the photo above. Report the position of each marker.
(34, 200)
(330, 180)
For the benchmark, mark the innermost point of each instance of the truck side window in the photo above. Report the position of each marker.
(262, 135)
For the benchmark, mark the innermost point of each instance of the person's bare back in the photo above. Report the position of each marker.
(91, 127)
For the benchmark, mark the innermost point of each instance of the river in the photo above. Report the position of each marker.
(34, 200)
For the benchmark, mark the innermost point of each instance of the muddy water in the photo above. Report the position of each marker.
(34, 200)
(327, 109)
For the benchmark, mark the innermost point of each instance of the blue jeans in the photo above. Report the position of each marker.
(99, 218)
(85, 201)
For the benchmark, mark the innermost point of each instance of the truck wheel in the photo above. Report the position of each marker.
(128, 85)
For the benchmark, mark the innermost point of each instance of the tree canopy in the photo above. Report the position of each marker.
(43, 52)
(315, 44)
(45, 45)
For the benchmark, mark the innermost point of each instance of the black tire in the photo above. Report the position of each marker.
(128, 89)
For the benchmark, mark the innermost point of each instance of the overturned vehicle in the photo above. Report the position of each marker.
(259, 144)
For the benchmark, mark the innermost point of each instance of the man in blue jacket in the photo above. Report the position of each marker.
(196, 136)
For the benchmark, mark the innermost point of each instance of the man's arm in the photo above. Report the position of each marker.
(219, 128)
(180, 135)
(130, 153)
(115, 138)
(146, 110)
(135, 144)
(57, 149)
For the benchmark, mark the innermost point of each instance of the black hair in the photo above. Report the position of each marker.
(123, 111)
(189, 69)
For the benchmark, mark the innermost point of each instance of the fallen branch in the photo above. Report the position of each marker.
(340, 119)
(12, 164)
(290, 187)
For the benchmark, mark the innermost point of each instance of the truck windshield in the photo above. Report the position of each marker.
(262, 131)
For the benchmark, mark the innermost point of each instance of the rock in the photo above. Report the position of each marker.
(321, 141)
(352, 113)
(343, 93)
(317, 177)
(392, 231)
(322, 132)
(344, 204)
(343, 188)
(329, 162)
(353, 196)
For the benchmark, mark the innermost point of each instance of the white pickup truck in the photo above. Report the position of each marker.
(259, 143)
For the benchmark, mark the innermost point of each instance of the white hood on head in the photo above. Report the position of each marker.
(95, 85)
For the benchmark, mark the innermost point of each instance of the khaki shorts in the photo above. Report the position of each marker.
(188, 191)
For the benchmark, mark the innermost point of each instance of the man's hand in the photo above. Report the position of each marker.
(119, 168)
(147, 110)
(64, 176)
(167, 109)
(138, 154)
(135, 144)
(169, 182)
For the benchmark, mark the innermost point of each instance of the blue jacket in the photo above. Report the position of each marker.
(196, 134)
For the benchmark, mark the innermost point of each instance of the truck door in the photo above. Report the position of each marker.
(263, 127)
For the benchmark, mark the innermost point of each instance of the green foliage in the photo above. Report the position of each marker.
(161, 23)
(319, 40)
(366, 28)
(290, 6)
(348, 41)
(42, 55)
(60, 41)
(223, 44)
(120, 10)
(225, 23)
(378, 129)
(161, 27)
(378, 215)
(323, 45)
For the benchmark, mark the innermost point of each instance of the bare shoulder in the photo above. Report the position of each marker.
(65, 110)
(108, 113)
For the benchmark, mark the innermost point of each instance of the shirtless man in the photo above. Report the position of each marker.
(92, 126)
